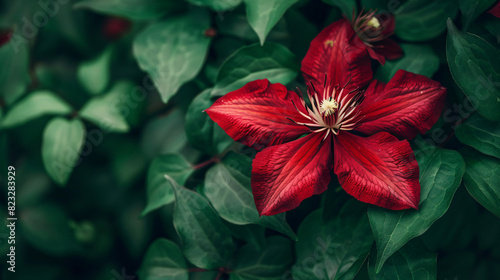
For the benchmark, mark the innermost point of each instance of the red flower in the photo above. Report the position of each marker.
(114, 27)
(374, 30)
(495, 10)
(5, 36)
(359, 134)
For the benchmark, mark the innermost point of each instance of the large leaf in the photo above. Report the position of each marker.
(413, 262)
(264, 14)
(173, 51)
(482, 180)
(475, 67)
(163, 260)
(335, 249)
(269, 263)
(217, 5)
(14, 73)
(37, 104)
(202, 132)
(94, 74)
(159, 191)
(109, 111)
(423, 20)
(471, 9)
(441, 172)
(418, 59)
(207, 242)
(133, 9)
(481, 134)
(62, 142)
(271, 61)
(227, 186)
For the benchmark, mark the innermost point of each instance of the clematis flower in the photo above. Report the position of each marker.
(374, 31)
(495, 10)
(359, 134)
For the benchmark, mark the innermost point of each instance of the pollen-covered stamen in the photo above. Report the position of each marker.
(369, 28)
(332, 110)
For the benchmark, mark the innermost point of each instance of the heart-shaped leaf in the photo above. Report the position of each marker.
(163, 260)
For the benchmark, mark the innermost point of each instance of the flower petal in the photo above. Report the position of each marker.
(259, 114)
(409, 104)
(495, 10)
(338, 52)
(284, 175)
(385, 49)
(380, 170)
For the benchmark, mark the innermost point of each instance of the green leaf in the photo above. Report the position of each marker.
(441, 172)
(203, 133)
(269, 263)
(14, 73)
(227, 186)
(475, 67)
(471, 9)
(173, 51)
(418, 59)
(334, 249)
(481, 134)
(413, 262)
(423, 20)
(37, 104)
(46, 227)
(94, 74)
(346, 6)
(163, 260)
(271, 61)
(482, 178)
(217, 5)
(108, 111)
(207, 242)
(264, 14)
(133, 9)
(159, 191)
(62, 142)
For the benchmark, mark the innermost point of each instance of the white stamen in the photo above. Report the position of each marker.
(328, 106)
(374, 22)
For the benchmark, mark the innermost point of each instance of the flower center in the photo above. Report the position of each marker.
(369, 28)
(332, 110)
(373, 22)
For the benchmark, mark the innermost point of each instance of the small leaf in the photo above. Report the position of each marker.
(217, 5)
(94, 74)
(62, 142)
(202, 132)
(412, 262)
(418, 59)
(163, 260)
(441, 172)
(37, 104)
(471, 9)
(106, 111)
(207, 242)
(423, 20)
(482, 179)
(159, 191)
(133, 9)
(271, 61)
(227, 186)
(481, 134)
(335, 249)
(475, 67)
(264, 14)
(14, 73)
(173, 51)
(269, 263)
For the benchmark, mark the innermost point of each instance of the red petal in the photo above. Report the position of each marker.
(388, 22)
(284, 175)
(257, 114)
(408, 104)
(495, 10)
(380, 170)
(338, 52)
(386, 49)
